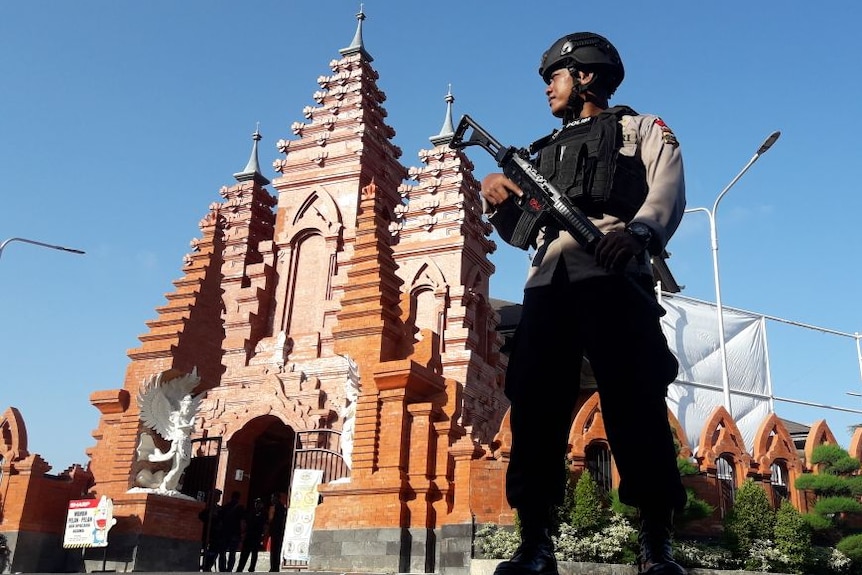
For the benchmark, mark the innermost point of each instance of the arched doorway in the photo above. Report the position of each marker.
(260, 457)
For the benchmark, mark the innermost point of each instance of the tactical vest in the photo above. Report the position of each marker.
(583, 162)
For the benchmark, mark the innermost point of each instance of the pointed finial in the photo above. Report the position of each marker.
(357, 46)
(252, 168)
(448, 129)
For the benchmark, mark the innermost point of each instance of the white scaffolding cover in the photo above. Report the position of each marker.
(691, 328)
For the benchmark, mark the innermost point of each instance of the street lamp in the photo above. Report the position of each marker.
(713, 237)
(35, 243)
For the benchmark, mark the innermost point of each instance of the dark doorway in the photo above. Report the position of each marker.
(263, 450)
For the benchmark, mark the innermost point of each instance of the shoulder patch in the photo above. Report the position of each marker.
(667, 134)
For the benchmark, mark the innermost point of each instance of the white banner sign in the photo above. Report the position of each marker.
(300, 514)
(691, 329)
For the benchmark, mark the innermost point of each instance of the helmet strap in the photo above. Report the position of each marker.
(575, 103)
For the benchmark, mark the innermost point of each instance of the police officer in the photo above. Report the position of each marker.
(624, 170)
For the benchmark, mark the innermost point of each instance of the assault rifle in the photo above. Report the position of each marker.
(541, 203)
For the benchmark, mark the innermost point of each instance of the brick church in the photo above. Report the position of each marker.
(338, 318)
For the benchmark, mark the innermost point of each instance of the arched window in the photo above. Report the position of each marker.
(423, 311)
(779, 482)
(726, 483)
(310, 285)
(598, 463)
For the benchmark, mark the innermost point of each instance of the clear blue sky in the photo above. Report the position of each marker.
(120, 121)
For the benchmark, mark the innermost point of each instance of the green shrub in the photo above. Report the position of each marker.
(589, 513)
(751, 518)
(834, 459)
(494, 542)
(764, 556)
(835, 506)
(616, 542)
(686, 467)
(824, 484)
(852, 547)
(855, 483)
(693, 554)
(792, 537)
(564, 512)
(694, 509)
(828, 561)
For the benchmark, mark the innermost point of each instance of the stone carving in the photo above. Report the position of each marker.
(168, 408)
(347, 412)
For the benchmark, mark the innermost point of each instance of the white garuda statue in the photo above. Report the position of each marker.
(347, 413)
(169, 409)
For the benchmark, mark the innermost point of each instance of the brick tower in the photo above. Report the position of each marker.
(342, 323)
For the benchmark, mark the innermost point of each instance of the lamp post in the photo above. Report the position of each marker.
(713, 239)
(35, 243)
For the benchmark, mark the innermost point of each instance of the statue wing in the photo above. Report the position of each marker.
(157, 400)
(155, 407)
(179, 387)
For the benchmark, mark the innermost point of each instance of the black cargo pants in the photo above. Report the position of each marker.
(608, 321)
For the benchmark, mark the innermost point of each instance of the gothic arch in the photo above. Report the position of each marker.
(318, 212)
(818, 435)
(721, 436)
(13, 436)
(312, 233)
(427, 301)
(587, 427)
(429, 276)
(773, 444)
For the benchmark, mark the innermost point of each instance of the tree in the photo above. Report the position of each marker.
(792, 536)
(589, 512)
(752, 518)
(836, 488)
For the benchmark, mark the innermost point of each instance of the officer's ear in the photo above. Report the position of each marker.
(586, 78)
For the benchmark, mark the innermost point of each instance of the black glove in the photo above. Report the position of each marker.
(616, 249)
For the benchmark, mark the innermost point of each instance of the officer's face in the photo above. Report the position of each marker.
(558, 91)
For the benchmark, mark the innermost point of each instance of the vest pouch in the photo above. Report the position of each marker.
(567, 162)
(629, 188)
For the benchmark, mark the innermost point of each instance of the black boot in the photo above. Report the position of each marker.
(535, 556)
(656, 556)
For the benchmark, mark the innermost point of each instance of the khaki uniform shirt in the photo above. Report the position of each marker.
(645, 137)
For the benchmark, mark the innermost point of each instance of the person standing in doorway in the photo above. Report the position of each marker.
(254, 524)
(275, 528)
(232, 515)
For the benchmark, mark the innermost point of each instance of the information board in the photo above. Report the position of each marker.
(88, 522)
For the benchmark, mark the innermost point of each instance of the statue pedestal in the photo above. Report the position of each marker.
(153, 533)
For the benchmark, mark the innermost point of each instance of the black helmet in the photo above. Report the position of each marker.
(584, 49)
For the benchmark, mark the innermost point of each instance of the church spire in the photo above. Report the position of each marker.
(447, 131)
(252, 168)
(356, 45)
